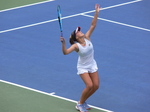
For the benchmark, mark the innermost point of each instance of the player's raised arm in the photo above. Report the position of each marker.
(94, 21)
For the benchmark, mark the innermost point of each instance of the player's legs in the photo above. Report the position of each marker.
(96, 82)
(89, 85)
(91, 81)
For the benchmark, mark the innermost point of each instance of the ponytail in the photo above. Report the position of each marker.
(71, 40)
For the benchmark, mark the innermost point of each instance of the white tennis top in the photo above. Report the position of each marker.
(86, 54)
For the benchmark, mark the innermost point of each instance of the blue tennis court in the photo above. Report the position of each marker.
(31, 55)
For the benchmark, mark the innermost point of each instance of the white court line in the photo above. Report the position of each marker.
(26, 26)
(50, 94)
(26, 5)
(118, 23)
(114, 6)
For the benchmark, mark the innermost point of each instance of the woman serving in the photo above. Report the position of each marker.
(86, 65)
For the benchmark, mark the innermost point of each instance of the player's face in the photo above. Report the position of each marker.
(79, 34)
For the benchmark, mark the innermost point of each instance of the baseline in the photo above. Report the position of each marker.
(51, 94)
(26, 5)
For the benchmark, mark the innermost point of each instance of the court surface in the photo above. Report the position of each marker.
(36, 77)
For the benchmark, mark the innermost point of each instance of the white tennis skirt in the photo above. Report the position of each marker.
(90, 68)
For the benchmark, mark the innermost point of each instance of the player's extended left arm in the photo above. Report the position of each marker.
(94, 21)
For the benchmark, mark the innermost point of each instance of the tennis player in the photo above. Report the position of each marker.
(86, 66)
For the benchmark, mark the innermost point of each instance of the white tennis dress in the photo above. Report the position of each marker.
(86, 62)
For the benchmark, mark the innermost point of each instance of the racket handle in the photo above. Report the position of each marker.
(61, 34)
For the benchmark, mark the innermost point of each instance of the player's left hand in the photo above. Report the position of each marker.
(97, 7)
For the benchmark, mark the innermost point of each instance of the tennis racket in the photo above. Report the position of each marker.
(60, 19)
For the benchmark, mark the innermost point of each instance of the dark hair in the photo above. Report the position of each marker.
(73, 38)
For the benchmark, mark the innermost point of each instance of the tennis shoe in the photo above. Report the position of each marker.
(86, 106)
(81, 108)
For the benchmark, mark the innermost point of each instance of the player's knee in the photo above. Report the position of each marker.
(89, 86)
(96, 87)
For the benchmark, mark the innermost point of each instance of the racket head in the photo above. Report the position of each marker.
(59, 18)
